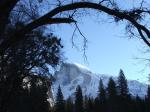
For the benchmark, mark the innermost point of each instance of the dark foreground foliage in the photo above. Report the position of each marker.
(24, 72)
(114, 98)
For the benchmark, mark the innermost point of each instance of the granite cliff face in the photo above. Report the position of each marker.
(70, 75)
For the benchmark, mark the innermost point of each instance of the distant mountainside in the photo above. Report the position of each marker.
(72, 74)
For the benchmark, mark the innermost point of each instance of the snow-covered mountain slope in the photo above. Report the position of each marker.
(71, 75)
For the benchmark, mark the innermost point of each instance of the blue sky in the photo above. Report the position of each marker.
(109, 49)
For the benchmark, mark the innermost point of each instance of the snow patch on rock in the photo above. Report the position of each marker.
(72, 74)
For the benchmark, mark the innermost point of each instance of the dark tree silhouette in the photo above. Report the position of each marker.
(19, 61)
(101, 92)
(148, 100)
(123, 91)
(31, 98)
(78, 100)
(88, 104)
(112, 89)
(112, 96)
(96, 104)
(140, 105)
(69, 105)
(122, 84)
(102, 96)
(59, 103)
(114, 104)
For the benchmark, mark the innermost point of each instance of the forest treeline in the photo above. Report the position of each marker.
(27, 46)
(113, 98)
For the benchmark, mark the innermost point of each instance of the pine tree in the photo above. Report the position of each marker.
(148, 100)
(122, 84)
(112, 96)
(101, 92)
(140, 106)
(88, 104)
(148, 93)
(85, 104)
(96, 104)
(59, 105)
(101, 96)
(78, 100)
(112, 89)
(123, 92)
(69, 105)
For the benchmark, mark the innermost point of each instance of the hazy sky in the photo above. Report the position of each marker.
(109, 48)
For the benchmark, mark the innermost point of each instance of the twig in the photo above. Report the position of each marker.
(84, 43)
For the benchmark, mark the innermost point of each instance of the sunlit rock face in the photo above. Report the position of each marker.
(50, 99)
(72, 74)
(39, 82)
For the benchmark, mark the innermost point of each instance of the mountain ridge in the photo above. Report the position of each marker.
(72, 74)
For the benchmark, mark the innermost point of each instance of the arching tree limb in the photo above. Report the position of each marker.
(143, 37)
(48, 19)
(20, 34)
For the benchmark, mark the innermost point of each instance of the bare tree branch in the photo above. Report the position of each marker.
(121, 15)
(84, 43)
(72, 38)
(20, 35)
(143, 37)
